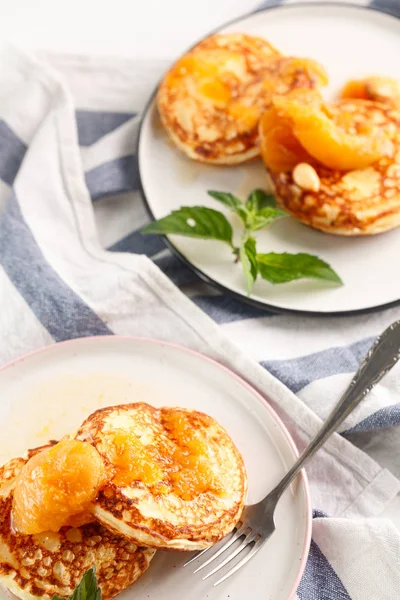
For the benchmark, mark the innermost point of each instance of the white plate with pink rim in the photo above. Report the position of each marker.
(48, 393)
(351, 42)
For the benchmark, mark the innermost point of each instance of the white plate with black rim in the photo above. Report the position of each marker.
(47, 394)
(351, 42)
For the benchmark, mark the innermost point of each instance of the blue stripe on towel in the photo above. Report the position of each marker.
(390, 6)
(57, 307)
(225, 309)
(176, 270)
(138, 243)
(296, 373)
(12, 152)
(114, 177)
(93, 125)
(381, 419)
(319, 581)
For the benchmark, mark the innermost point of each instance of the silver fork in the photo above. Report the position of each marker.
(257, 521)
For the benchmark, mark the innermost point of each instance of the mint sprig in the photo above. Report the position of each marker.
(87, 588)
(259, 211)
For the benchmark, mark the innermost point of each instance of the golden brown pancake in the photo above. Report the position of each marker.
(363, 201)
(41, 565)
(211, 100)
(178, 480)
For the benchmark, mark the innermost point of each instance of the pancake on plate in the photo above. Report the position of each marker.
(336, 167)
(44, 564)
(178, 480)
(211, 100)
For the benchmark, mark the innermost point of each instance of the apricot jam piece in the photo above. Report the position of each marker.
(379, 89)
(132, 460)
(280, 149)
(246, 117)
(192, 66)
(55, 485)
(355, 89)
(328, 142)
(190, 473)
(216, 91)
(208, 74)
(176, 461)
(82, 518)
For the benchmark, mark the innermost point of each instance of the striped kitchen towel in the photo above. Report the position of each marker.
(73, 263)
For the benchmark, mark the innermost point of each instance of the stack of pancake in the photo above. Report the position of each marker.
(222, 103)
(169, 479)
(212, 99)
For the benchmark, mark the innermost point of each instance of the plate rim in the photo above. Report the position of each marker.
(247, 385)
(264, 306)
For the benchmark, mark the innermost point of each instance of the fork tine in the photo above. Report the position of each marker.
(244, 560)
(249, 538)
(196, 556)
(239, 532)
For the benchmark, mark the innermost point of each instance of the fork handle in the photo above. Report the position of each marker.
(381, 357)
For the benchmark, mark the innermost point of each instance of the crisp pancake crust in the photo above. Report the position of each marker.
(211, 100)
(39, 566)
(360, 202)
(160, 512)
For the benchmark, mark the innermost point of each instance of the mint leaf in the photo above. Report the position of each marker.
(280, 268)
(265, 217)
(231, 202)
(87, 589)
(258, 199)
(226, 198)
(193, 221)
(248, 257)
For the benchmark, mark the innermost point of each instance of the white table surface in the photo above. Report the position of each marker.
(132, 28)
(158, 29)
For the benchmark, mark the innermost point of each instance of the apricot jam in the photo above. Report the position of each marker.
(132, 460)
(178, 462)
(379, 89)
(196, 67)
(280, 149)
(299, 124)
(246, 117)
(215, 91)
(355, 89)
(190, 471)
(56, 487)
